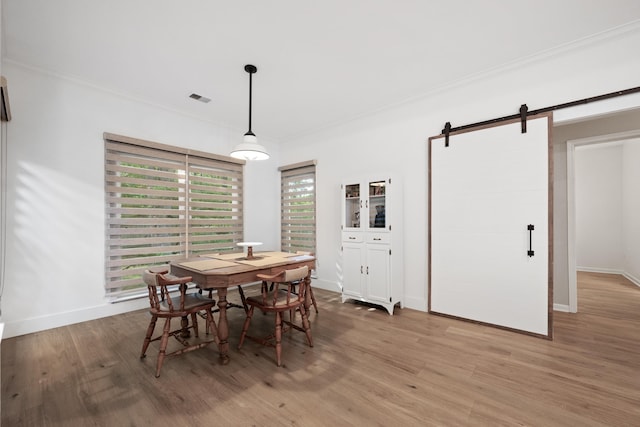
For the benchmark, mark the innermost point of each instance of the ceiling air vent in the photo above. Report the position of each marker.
(199, 98)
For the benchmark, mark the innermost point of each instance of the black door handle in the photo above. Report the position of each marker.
(530, 227)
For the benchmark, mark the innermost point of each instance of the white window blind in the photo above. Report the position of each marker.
(298, 207)
(164, 204)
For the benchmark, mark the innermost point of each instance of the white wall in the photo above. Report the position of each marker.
(55, 239)
(395, 141)
(55, 258)
(607, 184)
(631, 209)
(598, 206)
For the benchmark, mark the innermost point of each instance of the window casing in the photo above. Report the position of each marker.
(298, 207)
(163, 204)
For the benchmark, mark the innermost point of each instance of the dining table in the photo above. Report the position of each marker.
(219, 272)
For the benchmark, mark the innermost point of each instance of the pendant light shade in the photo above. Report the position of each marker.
(249, 149)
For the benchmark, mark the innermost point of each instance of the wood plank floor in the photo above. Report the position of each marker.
(366, 368)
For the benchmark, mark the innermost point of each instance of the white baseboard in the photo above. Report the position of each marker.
(36, 324)
(415, 304)
(600, 270)
(27, 326)
(412, 303)
(326, 285)
(632, 279)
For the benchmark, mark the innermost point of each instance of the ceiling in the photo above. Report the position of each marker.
(320, 63)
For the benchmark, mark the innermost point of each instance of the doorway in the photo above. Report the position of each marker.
(621, 114)
(572, 145)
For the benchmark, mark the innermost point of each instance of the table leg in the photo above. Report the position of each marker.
(223, 327)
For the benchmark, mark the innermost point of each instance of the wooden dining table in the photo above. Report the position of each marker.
(222, 271)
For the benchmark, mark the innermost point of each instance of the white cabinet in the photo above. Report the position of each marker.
(353, 260)
(371, 250)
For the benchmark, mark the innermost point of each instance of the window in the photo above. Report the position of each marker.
(163, 204)
(298, 207)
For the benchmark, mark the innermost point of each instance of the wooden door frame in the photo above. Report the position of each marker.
(578, 114)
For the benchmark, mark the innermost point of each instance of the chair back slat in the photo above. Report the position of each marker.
(158, 291)
(296, 274)
(289, 279)
(151, 279)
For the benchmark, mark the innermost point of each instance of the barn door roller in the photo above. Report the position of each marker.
(523, 117)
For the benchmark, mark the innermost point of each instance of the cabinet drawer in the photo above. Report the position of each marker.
(351, 237)
(378, 238)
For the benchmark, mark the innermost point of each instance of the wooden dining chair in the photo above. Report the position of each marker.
(313, 297)
(183, 306)
(309, 289)
(278, 299)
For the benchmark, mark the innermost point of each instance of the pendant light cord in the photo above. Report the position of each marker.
(250, 96)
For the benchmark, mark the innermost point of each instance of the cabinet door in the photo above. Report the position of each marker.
(351, 206)
(352, 269)
(378, 272)
(376, 203)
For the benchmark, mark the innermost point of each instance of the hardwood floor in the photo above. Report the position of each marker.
(366, 368)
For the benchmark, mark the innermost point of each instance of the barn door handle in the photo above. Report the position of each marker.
(530, 227)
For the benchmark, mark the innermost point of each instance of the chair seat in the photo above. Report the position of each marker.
(191, 301)
(280, 303)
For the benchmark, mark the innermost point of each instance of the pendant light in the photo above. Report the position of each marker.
(249, 149)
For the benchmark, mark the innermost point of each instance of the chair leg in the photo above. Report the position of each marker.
(245, 327)
(163, 345)
(306, 325)
(195, 324)
(313, 299)
(147, 338)
(243, 299)
(279, 338)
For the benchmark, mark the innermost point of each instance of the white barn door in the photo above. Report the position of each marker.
(487, 188)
